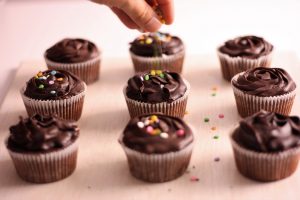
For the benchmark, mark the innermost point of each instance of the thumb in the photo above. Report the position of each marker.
(141, 13)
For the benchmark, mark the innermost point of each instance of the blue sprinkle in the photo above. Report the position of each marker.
(53, 72)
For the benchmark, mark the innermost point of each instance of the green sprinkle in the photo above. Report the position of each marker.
(216, 137)
(213, 94)
(162, 75)
(146, 77)
(206, 119)
(41, 86)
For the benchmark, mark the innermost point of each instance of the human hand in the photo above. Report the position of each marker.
(139, 14)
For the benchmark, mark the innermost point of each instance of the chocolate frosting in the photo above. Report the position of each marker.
(156, 87)
(41, 134)
(157, 134)
(268, 132)
(156, 44)
(72, 51)
(247, 46)
(265, 82)
(54, 85)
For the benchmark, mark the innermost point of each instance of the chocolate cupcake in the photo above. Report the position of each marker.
(158, 147)
(271, 89)
(266, 146)
(156, 92)
(78, 56)
(43, 149)
(158, 51)
(54, 92)
(244, 53)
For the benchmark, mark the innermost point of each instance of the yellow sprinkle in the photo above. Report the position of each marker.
(186, 112)
(149, 41)
(156, 131)
(60, 79)
(213, 128)
(162, 21)
(36, 76)
(158, 72)
(154, 118)
(152, 72)
(40, 74)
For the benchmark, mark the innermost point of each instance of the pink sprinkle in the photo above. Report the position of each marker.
(221, 116)
(180, 132)
(51, 82)
(194, 179)
(149, 129)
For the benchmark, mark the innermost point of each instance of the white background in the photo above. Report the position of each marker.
(28, 27)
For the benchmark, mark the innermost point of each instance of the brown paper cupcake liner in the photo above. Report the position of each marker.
(172, 63)
(176, 108)
(230, 66)
(68, 109)
(158, 168)
(250, 104)
(88, 71)
(265, 166)
(46, 167)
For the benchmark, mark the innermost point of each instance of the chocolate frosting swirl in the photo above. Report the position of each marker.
(41, 134)
(265, 82)
(72, 51)
(157, 134)
(156, 87)
(247, 46)
(156, 45)
(53, 85)
(268, 132)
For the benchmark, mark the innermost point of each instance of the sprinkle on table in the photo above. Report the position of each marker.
(213, 128)
(194, 179)
(217, 159)
(216, 137)
(221, 116)
(206, 119)
(214, 94)
(214, 88)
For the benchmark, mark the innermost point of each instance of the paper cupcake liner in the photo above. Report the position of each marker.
(265, 166)
(158, 168)
(176, 108)
(230, 66)
(68, 109)
(250, 104)
(87, 71)
(45, 167)
(172, 63)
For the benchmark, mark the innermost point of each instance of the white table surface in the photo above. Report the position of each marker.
(28, 27)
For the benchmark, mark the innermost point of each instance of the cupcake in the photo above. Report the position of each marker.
(244, 53)
(78, 56)
(266, 146)
(158, 147)
(43, 149)
(156, 92)
(271, 89)
(158, 51)
(54, 92)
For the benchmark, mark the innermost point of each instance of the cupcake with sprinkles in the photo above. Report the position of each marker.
(270, 89)
(78, 56)
(54, 92)
(244, 53)
(157, 92)
(158, 51)
(158, 147)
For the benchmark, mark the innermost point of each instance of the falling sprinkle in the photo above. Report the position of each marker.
(214, 88)
(213, 128)
(186, 112)
(217, 159)
(221, 116)
(216, 137)
(206, 119)
(194, 179)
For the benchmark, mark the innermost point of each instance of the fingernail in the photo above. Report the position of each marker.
(153, 25)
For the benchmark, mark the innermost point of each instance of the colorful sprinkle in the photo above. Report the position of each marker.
(213, 128)
(60, 79)
(149, 40)
(53, 92)
(194, 179)
(152, 72)
(40, 74)
(147, 122)
(42, 78)
(216, 137)
(154, 118)
(214, 88)
(162, 75)
(142, 42)
(41, 86)
(149, 129)
(217, 159)
(213, 94)
(156, 131)
(36, 77)
(180, 133)
(146, 77)
(142, 78)
(162, 86)
(221, 116)
(51, 82)
(53, 72)
(186, 112)
(206, 119)
(164, 135)
(140, 125)
(158, 72)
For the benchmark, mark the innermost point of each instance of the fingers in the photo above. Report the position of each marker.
(125, 19)
(167, 8)
(141, 13)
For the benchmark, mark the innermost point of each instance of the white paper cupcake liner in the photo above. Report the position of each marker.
(176, 108)
(68, 109)
(158, 168)
(87, 71)
(172, 63)
(45, 167)
(265, 166)
(230, 66)
(249, 104)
